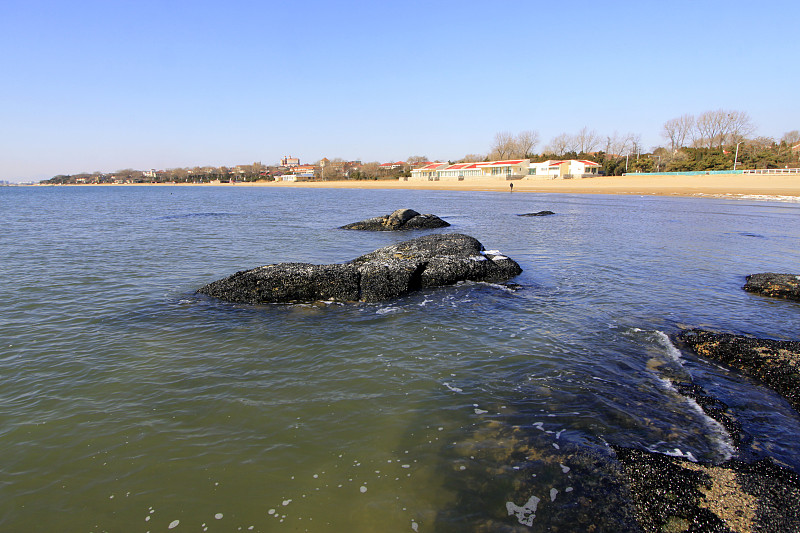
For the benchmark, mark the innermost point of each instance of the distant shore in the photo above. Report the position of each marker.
(717, 185)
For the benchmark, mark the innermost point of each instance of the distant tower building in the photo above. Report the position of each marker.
(289, 161)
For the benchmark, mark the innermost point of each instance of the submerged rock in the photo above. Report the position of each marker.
(775, 285)
(386, 273)
(775, 363)
(402, 219)
(537, 214)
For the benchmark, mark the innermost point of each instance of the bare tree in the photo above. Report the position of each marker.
(738, 126)
(416, 159)
(636, 143)
(715, 128)
(761, 143)
(791, 137)
(619, 145)
(711, 127)
(473, 158)
(525, 142)
(369, 170)
(586, 141)
(504, 145)
(561, 144)
(677, 129)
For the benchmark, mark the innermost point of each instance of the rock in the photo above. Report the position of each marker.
(675, 494)
(678, 494)
(775, 363)
(402, 219)
(775, 285)
(537, 214)
(386, 273)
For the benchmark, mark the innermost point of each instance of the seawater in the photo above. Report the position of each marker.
(131, 404)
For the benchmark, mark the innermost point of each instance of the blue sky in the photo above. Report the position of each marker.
(107, 85)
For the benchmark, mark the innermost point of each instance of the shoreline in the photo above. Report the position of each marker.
(713, 185)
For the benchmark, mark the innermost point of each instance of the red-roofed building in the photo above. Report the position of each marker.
(505, 170)
(305, 170)
(569, 168)
(512, 169)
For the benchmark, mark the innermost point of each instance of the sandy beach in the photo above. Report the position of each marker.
(784, 186)
(738, 185)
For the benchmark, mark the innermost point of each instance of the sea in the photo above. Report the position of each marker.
(130, 403)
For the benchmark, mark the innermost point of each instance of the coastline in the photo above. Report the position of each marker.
(786, 187)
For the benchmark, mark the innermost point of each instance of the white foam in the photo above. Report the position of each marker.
(761, 197)
(526, 513)
(564, 468)
(672, 351)
(386, 310)
(218, 516)
(454, 389)
(553, 494)
(675, 452)
(480, 411)
(717, 432)
(173, 524)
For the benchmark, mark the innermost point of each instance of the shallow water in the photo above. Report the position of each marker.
(130, 403)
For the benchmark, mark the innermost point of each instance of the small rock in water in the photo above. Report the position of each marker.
(537, 214)
(401, 219)
(774, 285)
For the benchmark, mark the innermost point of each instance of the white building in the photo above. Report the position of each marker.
(569, 168)
(506, 170)
(503, 170)
(289, 161)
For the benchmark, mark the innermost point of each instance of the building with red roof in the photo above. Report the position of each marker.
(512, 169)
(504, 170)
(568, 168)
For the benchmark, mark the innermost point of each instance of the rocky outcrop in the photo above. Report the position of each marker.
(671, 493)
(386, 273)
(537, 214)
(675, 494)
(775, 285)
(402, 219)
(775, 363)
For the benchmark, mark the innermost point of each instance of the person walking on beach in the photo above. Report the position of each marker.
(511, 186)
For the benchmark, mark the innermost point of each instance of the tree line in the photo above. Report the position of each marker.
(708, 141)
(694, 143)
